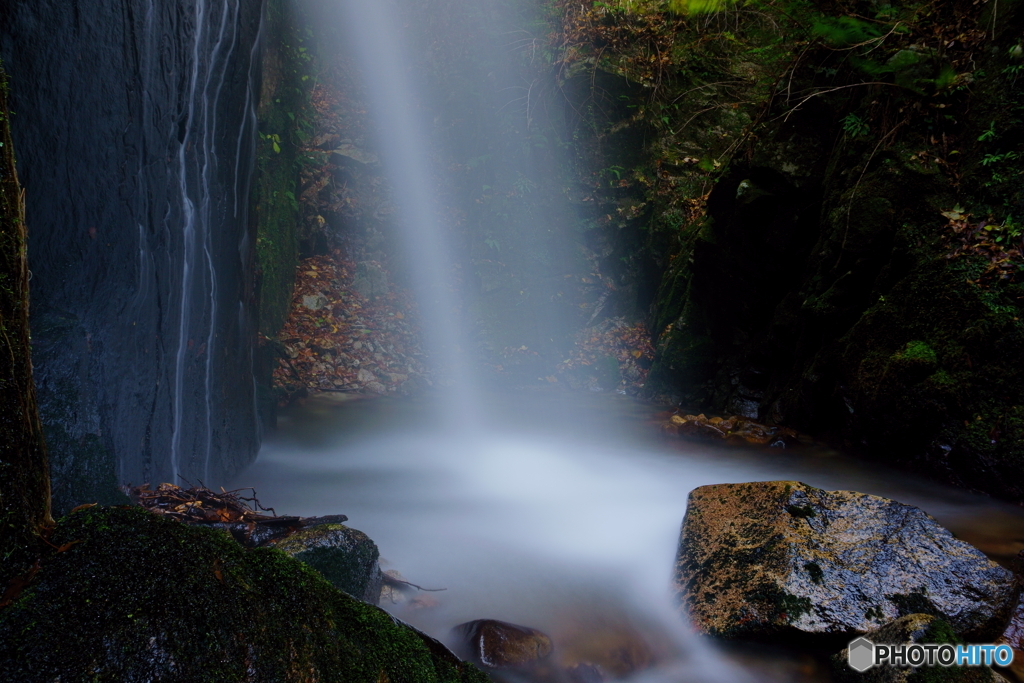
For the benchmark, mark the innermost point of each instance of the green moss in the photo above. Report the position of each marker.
(915, 602)
(919, 352)
(136, 597)
(939, 631)
(282, 110)
(345, 557)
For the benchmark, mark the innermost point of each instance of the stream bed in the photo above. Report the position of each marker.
(560, 512)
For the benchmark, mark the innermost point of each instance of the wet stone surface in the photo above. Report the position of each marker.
(782, 559)
(499, 644)
(346, 557)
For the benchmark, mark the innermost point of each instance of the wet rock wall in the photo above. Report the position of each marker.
(135, 127)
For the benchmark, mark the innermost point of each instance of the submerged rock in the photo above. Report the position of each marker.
(782, 558)
(912, 628)
(346, 557)
(130, 596)
(499, 644)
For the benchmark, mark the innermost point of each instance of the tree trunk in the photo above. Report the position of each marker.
(24, 473)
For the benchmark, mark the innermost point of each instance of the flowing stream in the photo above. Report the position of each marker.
(553, 510)
(560, 512)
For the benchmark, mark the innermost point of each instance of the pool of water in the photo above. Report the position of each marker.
(560, 512)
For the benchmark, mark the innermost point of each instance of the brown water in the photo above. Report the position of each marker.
(561, 512)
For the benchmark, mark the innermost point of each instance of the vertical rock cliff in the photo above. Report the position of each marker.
(135, 127)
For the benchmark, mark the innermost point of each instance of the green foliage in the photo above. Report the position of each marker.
(855, 126)
(844, 31)
(992, 159)
(699, 6)
(918, 351)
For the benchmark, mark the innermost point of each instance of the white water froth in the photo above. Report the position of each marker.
(551, 529)
(557, 516)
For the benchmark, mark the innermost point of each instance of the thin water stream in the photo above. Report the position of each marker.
(560, 512)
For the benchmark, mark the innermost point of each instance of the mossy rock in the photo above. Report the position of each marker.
(130, 596)
(346, 557)
(932, 383)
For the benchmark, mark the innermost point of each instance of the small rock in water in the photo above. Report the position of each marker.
(781, 559)
(499, 644)
(912, 628)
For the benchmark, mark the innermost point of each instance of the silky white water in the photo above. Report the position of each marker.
(556, 511)
(560, 512)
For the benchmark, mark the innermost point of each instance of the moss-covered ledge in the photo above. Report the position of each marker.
(126, 595)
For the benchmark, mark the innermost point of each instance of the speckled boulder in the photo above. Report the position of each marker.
(781, 559)
(913, 628)
(346, 557)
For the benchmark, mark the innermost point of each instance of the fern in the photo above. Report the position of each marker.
(844, 31)
(698, 6)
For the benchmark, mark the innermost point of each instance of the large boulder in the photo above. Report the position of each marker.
(126, 595)
(912, 628)
(346, 557)
(781, 559)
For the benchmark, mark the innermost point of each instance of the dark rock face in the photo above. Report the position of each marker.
(771, 559)
(137, 597)
(499, 644)
(346, 557)
(135, 132)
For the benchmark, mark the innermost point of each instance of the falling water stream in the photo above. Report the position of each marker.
(554, 510)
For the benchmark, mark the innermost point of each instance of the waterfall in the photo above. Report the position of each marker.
(381, 50)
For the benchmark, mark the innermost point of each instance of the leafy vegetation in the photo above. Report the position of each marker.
(780, 167)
